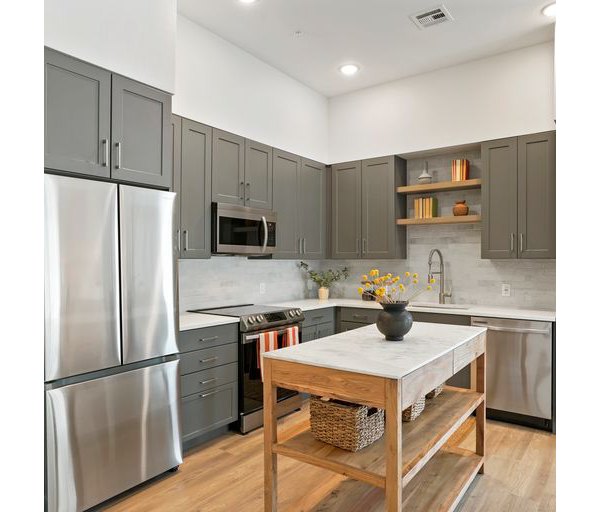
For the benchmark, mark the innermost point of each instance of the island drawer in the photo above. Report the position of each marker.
(208, 358)
(206, 411)
(360, 315)
(318, 316)
(207, 379)
(206, 337)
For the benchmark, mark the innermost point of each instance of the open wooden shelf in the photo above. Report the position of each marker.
(439, 187)
(439, 486)
(421, 440)
(460, 219)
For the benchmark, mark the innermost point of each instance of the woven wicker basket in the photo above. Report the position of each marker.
(435, 392)
(414, 411)
(345, 425)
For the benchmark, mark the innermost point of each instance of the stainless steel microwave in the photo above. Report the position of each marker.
(242, 230)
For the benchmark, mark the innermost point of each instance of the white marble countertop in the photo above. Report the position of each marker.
(465, 309)
(189, 321)
(365, 350)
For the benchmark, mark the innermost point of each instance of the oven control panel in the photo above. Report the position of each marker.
(263, 321)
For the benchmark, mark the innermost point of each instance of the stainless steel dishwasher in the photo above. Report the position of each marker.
(520, 372)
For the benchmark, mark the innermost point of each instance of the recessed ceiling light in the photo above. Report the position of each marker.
(550, 11)
(246, 1)
(349, 69)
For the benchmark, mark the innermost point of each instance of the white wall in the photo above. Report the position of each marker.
(503, 95)
(135, 38)
(219, 84)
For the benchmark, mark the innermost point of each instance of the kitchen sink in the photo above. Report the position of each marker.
(436, 305)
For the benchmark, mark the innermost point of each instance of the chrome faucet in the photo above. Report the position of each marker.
(442, 280)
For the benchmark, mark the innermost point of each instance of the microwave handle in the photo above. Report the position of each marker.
(264, 223)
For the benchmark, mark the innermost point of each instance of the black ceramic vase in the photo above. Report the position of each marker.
(394, 321)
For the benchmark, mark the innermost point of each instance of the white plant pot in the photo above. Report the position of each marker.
(323, 293)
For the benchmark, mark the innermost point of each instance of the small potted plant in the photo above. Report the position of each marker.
(394, 294)
(324, 278)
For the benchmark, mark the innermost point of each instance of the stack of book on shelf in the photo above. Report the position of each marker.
(425, 207)
(460, 169)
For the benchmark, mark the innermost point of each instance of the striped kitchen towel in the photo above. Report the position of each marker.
(291, 336)
(267, 341)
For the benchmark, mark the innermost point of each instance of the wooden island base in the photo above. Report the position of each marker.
(409, 468)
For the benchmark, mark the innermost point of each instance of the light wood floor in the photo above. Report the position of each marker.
(226, 475)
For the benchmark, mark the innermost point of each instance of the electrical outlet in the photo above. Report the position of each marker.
(505, 290)
(262, 288)
(310, 285)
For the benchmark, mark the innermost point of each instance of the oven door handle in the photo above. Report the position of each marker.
(253, 337)
(264, 223)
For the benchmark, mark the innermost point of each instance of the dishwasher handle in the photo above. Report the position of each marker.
(512, 329)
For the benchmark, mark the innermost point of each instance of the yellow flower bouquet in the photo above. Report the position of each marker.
(391, 289)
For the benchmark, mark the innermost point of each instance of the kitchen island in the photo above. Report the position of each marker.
(409, 468)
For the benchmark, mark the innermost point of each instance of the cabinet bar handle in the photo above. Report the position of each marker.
(118, 146)
(304, 246)
(208, 394)
(207, 381)
(185, 239)
(105, 145)
(520, 242)
(360, 317)
(364, 247)
(211, 338)
(209, 360)
(241, 190)
(512, 242)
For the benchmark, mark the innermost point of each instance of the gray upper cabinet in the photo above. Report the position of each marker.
(378, 208)
(299, 200)
(537, 196)
(518, 197)
(364, 209)
(286, 168)
(346, 210)
(195, 189)
(311, 212)
(77, 116)
(176, 166)
(258, 175)
(499, 199)
(228, 182)
(141, 140)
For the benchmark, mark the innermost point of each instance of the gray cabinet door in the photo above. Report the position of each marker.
(499, 199)
(258, 172)
(176, 166)
(77, 116)
(227, 168)
(196, 148)
(141, 135)
(537, 195)
(346, 210)
(286, 168)
(378, 208)
(311, 211)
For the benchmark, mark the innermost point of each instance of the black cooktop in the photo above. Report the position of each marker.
(241, 310)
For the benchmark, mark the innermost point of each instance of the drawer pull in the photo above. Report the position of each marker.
(208, 394)
(209, 360)
(318, 317)
(360, 317)
(207, 381)
(211, 338)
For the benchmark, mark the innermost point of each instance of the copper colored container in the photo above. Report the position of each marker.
(460, 208)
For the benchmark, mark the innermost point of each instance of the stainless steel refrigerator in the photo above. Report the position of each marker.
(111, 369)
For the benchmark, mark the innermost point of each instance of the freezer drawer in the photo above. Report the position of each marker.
(519, 366)
(81, 277)
(107, 435)
(147, 273)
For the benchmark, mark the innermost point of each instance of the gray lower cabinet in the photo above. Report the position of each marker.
(354, 318)
(365, 206)
(77, 116)
(140, 132)
(299, 188)
(518, 193)
(227, 168)
(209, 379)
(258, 175)
(318, 323)
(195, 190)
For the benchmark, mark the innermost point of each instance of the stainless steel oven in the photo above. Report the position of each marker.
(242, 230)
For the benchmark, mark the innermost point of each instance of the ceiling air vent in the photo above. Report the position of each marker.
(431, 17)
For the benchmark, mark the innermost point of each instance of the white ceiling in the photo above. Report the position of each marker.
(375, 34)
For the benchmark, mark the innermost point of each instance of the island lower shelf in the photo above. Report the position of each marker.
(421, 440)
